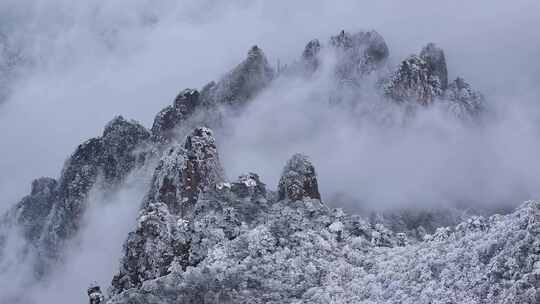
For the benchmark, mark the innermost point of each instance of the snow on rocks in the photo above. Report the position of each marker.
(52, 213)
(296, 256)
(434, 57)
(414, 81)
(170, 117)
(298, 180)
(241, 84)
(463, 100)
(182, 175)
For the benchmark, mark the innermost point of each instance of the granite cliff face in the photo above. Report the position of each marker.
(201, 238)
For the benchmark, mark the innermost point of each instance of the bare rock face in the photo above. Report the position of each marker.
(186, 171)
(167, 119)
(249, 185)
(464, 101)
(183, 174)
(233, 90)
(359, 53)
(434, 56)
(244, 82)
(112, 156)
(415, 81)
(31, 212)
(298, 180)
(52, 213)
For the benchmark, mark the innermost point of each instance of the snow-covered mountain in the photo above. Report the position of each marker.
(202, 238)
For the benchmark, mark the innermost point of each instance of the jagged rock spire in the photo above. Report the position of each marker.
(312, 49)
(298, 180)
(31, 212)
(183, 173)
(464, 100)
(371, 43)
(420, 78)
(434, 56)
(112, 155)
(244, 82)
(168, 119)
(359, 53)
(186, 171)
(414, 81)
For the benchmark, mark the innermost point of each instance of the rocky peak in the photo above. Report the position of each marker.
(55, 209)
(414, 80)
(182, 175)
(464, 100)
(170, 117)
(434, 56)
(342, 40)
(298, 180)
(119, 141)
(186, 100)
(31, 212)
(359, 53)
(312, 49)
(310, 55)
(249, 185)
(256, 55)
(241, 84)
(186, 171)
(120, 127)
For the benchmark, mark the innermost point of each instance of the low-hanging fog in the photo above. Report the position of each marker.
(68, 67)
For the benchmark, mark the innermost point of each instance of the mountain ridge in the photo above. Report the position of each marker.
(190, 185)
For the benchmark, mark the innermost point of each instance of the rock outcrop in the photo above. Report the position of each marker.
(31, 212)
(232, 91)
(111, 156)
(52, 213)
(423, 79)
(434, 57)
(356, 54)
(359, 53)
(310, 56)
(241, 84)
(298, 180)
(165, 122)
(182, 175)
(414, 81)
(463, 100)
